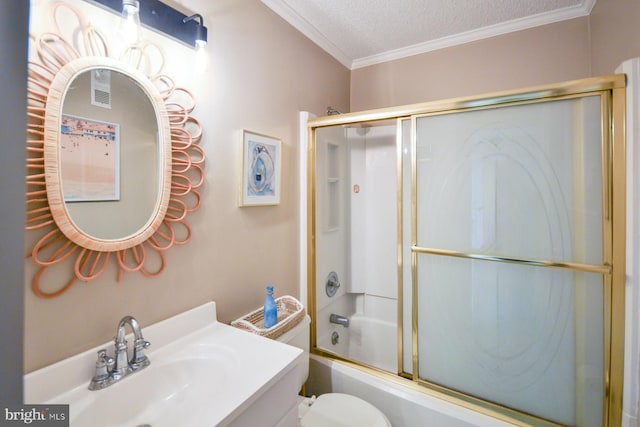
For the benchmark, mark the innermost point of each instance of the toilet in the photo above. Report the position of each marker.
(330, 409)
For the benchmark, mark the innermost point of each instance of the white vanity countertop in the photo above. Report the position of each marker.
(209, 370)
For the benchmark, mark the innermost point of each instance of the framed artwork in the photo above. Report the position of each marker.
(89, 159)
(261, 156)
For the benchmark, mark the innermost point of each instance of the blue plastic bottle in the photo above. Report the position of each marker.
(270, 309)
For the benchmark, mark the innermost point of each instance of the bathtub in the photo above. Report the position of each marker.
(371, 335)
(372, 342)
(404, 405)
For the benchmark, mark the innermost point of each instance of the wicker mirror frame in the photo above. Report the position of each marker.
(56, 62)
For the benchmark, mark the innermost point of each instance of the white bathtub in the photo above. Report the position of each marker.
(372, 342)
(403, 405)
(372, 333)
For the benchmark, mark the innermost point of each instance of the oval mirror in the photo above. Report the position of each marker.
(107, 154)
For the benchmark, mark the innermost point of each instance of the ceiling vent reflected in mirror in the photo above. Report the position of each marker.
(101, 88)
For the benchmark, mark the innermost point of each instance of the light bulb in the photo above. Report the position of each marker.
(201, 56)
(130, 24)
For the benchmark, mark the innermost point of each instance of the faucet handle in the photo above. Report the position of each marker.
(141, 344)
(139, 360)
(104, 362)
(104, 365)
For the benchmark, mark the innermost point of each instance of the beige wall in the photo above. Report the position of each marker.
(573, 49)
(546, 54)
(615, 34)
(261, 73)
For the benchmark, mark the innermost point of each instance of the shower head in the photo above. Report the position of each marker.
(333, 111)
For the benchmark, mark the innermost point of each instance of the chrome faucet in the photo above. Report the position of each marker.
(110, 370)
(339, 320)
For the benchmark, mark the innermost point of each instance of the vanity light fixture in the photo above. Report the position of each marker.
(161, 18)
(201, 30)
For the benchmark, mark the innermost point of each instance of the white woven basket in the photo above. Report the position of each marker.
(290, 313)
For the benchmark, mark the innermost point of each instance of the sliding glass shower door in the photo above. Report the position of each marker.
(509, 256)
(503, 219)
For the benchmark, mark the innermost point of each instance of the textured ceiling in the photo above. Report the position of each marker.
(364, 32)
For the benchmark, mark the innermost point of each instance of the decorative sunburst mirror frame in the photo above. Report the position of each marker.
(56, 61)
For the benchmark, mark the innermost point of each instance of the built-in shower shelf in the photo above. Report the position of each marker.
(333, 188)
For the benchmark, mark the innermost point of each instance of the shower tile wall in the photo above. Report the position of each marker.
(374, 237)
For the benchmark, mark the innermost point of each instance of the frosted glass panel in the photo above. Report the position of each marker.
(523, 180)
(529, 338)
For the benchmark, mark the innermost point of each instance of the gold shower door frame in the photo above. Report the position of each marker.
(611, 90)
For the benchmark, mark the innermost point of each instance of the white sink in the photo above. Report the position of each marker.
(202, 373)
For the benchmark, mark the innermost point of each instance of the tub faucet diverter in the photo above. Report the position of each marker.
(339, 320)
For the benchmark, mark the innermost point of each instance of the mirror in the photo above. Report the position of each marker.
(113, 157)
(106, 165)
(108, 152)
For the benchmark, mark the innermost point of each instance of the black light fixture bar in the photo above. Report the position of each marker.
(163, 19)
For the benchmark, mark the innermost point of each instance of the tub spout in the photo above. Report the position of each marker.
(339, 320)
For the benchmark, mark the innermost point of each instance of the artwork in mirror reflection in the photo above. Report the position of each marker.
(90, 159)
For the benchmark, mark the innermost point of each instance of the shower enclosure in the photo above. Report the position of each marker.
(475, 247)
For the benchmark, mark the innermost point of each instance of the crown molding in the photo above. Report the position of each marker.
(479, 34)
(310, 31)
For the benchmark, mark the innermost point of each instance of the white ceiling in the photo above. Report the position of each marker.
(365, 32)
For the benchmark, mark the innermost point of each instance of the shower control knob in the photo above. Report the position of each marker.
(332, 284)
(335, 337)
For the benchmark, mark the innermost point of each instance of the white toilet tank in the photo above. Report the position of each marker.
(298, 336)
